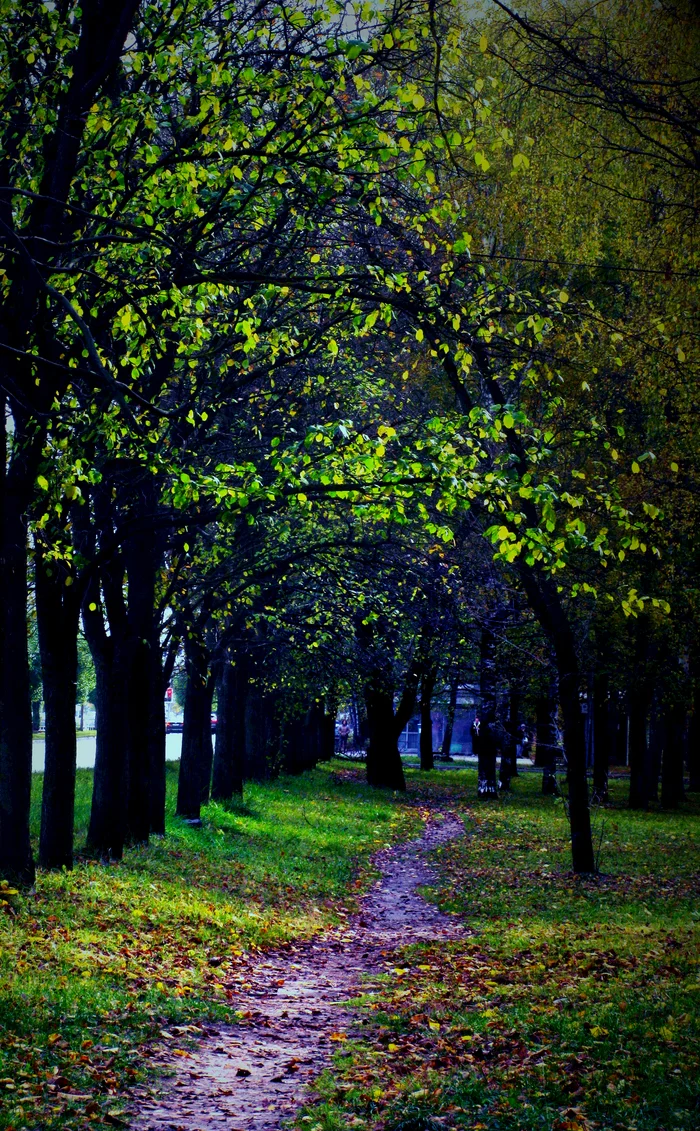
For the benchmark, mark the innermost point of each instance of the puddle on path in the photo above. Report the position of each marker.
(253, 1076)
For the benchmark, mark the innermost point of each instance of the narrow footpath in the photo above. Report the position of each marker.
(253, 1076)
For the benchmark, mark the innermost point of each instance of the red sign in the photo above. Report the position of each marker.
(168, 693)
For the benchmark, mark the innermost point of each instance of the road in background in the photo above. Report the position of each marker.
(86, 752)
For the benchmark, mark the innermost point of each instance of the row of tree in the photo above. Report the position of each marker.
(333, 339)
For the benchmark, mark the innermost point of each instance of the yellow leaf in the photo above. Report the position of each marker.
(435, 1026)
(483, 44)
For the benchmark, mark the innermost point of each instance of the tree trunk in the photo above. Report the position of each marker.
(657, 744)
(639, 753)
(196, 734)
(694, 735)
(330, 714)
(601, 738)
(58, 611)
(445, 751)
(672, 788)
(487, 751)
(229, 753)
(384, 766)
(487, 757)
(142, 643)
(546, 604)
(103, 31)
(16, 859)
(546, 743)
(427, 761)
(509, 754)
(156, 743)
(107, 828)
(262, 736)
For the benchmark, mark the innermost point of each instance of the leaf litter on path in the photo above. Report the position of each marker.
(293, 1007)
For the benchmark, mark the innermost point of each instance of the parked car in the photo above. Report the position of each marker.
(173, 726)
(213, 723)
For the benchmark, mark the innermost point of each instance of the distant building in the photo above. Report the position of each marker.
(465, 713)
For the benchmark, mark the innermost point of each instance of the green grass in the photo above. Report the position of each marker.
(572, 1005)
(98, 960)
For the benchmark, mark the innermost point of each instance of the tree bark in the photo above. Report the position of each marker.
(384, 766)
(196, 733)
(694, 732)
(509, 754)
(657, 743)
(639, 753)
(141, 646)
(107, 828)
(427, 761)
(546, 745)
(601, 737)
(672, 787)
(16, 858)
(229, 752)
(330, 714)
(487, 751)
(104, 27)
(546, 604)
(58, 612)
(446, 747)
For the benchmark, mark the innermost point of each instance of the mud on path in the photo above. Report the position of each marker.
(253, 1076)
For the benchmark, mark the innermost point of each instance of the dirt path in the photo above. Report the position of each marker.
(255, 1075)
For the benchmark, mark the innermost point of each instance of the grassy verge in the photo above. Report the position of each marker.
(98, 962)
(572, 1005)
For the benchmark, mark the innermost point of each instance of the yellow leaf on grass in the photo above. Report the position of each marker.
(434, 1025)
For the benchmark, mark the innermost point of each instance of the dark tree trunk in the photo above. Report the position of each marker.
(487, 750)
(262, 736)
(639, 754)
(58, 611)
(427, 761)
(108, 822)
(546, 744)
(672, 788)
(513, 725)
(509, 754)
(384, 766)
(488, 756)
(229, 753)
(207, 746)
(694, 736)
(446, 747)
(302, 741)
(546, 604)
(103, 30)
(328, 730)
(156, 742)
(143, 648)
(16, 859)
(196, 733)
(601, 738)
(657, 744)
